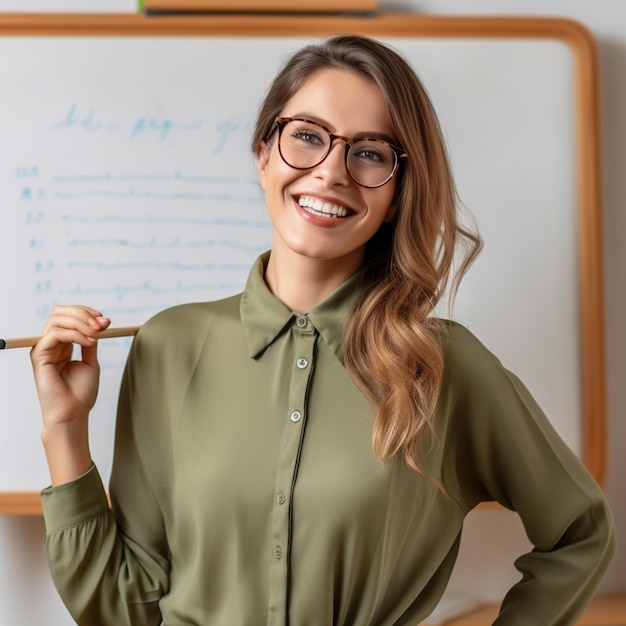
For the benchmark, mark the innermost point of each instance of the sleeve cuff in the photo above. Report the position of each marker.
(74, 502)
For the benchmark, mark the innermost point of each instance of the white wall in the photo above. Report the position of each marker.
(492, 539)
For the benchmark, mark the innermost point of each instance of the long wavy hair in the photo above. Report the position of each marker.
(393, 344)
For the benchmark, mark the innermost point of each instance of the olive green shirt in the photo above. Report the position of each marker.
(245, 490)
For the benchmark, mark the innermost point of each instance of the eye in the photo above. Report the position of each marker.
(308, 135)
(371, 152)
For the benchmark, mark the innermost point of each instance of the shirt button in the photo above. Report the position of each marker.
(277, 552)
(295, 416)
(280, 498)
(301, 321)
(302, 363)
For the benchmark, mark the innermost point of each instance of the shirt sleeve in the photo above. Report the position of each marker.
(505, 449)
(110, 567)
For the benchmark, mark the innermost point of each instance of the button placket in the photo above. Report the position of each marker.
(303, 336)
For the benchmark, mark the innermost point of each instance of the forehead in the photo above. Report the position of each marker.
(346, 102)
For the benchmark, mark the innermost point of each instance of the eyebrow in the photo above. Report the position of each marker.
(357, 137)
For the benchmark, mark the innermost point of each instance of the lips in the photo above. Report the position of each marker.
(321, 208)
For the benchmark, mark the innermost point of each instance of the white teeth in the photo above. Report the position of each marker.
(321, 208)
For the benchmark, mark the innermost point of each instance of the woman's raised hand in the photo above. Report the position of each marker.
(67, 388)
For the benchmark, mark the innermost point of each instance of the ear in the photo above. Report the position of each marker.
(262, 159)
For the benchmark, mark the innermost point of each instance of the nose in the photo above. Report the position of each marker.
(333, 168)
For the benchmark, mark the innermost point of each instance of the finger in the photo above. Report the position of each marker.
(63, 316)
(104, 322)
(70, 331)
(61, 308)
(56, 336)
(90, 355)
(76, 320)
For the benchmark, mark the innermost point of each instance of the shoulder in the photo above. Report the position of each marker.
(477, 383)
(468, 362)
(489, 419)
(189, 319)
(483, 414)
(497, 443)
(182, 331)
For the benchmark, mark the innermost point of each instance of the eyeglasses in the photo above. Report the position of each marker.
(303, 144)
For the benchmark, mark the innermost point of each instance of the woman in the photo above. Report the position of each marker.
(306, 452)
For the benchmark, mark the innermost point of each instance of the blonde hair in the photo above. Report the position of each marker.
(393, 345)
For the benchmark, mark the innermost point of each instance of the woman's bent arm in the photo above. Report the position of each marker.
(103, 575)
(507, 451)
(67, 388)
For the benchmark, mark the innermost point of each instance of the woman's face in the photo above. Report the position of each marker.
(303, 204)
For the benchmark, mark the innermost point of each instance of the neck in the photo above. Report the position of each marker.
(301, 283)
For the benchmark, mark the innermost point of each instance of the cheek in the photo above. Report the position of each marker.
(277, 175)
(385, 203)
(391, 213)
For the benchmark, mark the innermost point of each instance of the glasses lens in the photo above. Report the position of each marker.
(303, 144)
(371, 162)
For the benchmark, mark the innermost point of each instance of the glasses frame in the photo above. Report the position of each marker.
(398, 152)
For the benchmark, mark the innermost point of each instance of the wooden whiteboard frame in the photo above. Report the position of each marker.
(588, 164)
(256, 6)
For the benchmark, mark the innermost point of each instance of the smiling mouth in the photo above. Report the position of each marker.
(320, 208)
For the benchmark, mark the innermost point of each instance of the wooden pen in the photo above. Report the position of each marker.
(29, 342)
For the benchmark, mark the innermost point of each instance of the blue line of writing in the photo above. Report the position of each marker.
(174, 243)
(178, 177)
(151, 310)
(154, 195)
(141, 265)
(121, 291)
(106, 365)
(150, 219)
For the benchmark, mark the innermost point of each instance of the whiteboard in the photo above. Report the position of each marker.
(127, 184)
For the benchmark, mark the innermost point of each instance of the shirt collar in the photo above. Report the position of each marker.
(264, 317)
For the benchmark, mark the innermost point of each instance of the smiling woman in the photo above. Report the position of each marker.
(307, 234)
(306, 452)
